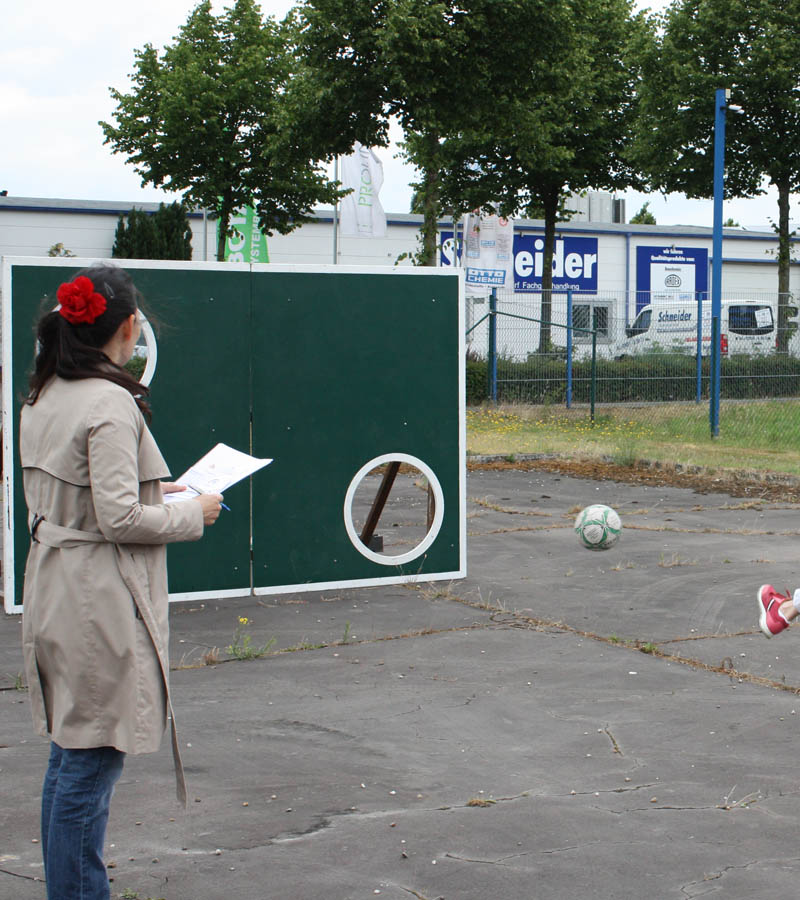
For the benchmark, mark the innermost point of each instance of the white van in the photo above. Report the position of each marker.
(747, 326)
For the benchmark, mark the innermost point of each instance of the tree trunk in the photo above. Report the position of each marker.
(550, 203)
(222, 234)
(784, 257)
(430, 197)
(225, 211)
(430, 222)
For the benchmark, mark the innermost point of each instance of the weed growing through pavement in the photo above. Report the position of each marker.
(211, 657)
(305, 645)
(675, 560)
(480, 801)
(242, 645)
(628, 564)
(346, 635)
(19, 684)
(729, 803)
(129, 894)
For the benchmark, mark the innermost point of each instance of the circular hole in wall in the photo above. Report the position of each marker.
(393, 509)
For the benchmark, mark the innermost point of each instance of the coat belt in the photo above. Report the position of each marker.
(60, 537)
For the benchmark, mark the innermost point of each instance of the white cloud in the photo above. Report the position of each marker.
(57, 61)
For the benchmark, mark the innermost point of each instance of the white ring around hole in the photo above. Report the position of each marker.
(438, 515)
(152, 353)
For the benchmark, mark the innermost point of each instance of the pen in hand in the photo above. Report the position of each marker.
(198, 491)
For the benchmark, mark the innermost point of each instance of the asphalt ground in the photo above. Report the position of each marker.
(561, 724)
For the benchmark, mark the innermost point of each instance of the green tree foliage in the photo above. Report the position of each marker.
(644, 216)
(205, 117)
(172, 225)
(427, 64)
(164, 235)
(558, 123)
(751, 47)
(363, 63)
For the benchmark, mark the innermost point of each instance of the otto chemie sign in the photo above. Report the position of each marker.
(575, 262)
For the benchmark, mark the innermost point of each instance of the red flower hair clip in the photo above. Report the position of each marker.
(80, 302)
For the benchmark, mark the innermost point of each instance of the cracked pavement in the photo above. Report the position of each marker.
(563, 723)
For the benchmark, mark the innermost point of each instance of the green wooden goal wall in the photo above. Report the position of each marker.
(329, 370)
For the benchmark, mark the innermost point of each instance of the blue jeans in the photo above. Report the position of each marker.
(75, 800)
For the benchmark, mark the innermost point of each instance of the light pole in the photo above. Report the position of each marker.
(721, 104)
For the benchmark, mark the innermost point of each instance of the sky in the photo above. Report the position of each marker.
(58, 60)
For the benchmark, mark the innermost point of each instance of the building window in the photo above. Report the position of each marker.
(590, 316)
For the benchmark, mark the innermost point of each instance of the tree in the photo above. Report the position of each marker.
(437, 66)
(135, 237)
(729, 223)
(174, 230)
(751, 47)
(563, 130)
(205, 118)
(365, 62)
(166, 234)
(644, 216)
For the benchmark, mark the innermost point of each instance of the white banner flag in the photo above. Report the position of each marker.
(361, 212)
(488, 254)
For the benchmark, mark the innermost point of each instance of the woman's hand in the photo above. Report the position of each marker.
(170, 487)
(211, 507)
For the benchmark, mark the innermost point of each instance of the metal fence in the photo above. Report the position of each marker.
(647, 349)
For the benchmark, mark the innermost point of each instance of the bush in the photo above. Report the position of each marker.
(650, 378)
(166, 234)
(477, 380)
(136, 366)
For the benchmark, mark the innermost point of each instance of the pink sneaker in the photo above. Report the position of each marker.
(769, 601)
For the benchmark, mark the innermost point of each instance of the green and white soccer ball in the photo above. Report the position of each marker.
(598, 527)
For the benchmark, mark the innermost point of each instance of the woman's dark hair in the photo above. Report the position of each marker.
(75, 351)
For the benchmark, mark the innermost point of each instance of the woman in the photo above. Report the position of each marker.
(95, 629)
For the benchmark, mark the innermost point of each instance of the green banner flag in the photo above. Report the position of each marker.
(247, 243)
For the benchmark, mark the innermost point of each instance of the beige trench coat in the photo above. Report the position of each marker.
(95, 626)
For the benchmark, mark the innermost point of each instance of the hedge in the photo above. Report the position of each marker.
(653, 379)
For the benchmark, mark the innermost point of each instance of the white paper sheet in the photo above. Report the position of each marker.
(215, 472)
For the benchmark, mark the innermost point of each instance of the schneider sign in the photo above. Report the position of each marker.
(574, 262)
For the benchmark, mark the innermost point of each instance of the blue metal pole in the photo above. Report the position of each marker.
(493, 346)
(699, 347)
(720, 104)
(569, 349)
(713, 400)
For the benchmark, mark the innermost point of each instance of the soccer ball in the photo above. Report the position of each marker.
(598, 527)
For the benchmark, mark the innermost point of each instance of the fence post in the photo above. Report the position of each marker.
(593, 389)
(699, 355)
(492, 367)
(569, 349)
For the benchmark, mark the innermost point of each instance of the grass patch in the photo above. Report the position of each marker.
(757, 435)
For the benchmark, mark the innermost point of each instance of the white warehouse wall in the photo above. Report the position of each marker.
(30, 226)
